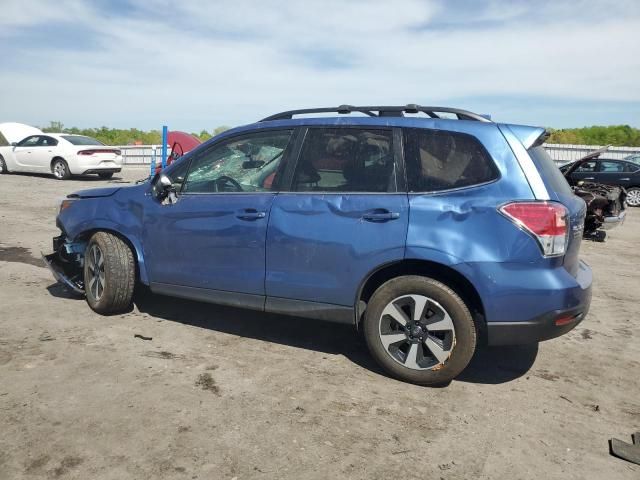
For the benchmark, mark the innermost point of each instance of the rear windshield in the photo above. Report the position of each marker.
(80, 140)
(550, 172)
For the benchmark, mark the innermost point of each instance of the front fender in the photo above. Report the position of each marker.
(121, 214)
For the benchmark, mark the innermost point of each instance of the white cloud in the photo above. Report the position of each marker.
(199, 64)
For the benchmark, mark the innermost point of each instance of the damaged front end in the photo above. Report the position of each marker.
(67, 263)
(606, 204)
(605, 207)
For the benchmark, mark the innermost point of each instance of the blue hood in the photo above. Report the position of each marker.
(94, 192)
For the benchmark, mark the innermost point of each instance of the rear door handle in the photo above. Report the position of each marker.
(250, 214)
(380, 216)
(625, 179)
(588, 178)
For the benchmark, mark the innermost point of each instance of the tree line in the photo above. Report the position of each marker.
(617, 135)
(119, 136)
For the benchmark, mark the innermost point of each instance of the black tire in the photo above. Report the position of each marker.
(60, 169)
(633, 197)
(116, 272)
(3, 166)
(461, 341)
(105, 175)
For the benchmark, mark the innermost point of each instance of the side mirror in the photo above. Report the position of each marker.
(14, 144)
(162, 187)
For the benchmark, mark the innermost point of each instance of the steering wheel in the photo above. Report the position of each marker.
(224, 180)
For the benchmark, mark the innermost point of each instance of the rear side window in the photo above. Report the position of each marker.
(346, 160)
(552, 175)
(81, 140)
(440, 160)
(612, 167)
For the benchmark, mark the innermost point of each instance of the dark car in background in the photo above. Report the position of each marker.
(606, 171)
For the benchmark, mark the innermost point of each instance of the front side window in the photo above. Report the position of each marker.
(246, 164)
(440, 160)
(346, 160)
(29, 141)
(587, 167)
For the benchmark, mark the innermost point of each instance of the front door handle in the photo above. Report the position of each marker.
(380, 216)
(588, 178)
(250, 214)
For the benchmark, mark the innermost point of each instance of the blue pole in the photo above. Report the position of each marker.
(153, 161)
(165, 139)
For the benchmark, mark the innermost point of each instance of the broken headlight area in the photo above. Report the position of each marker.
(605, 207)
(67, 262)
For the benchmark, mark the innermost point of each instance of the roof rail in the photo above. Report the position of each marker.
(382, 111)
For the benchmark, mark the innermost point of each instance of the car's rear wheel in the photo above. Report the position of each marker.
(105, 175)
(419, 330)
(3, 166)
(109, 274)
(60, 169)
(633, 197)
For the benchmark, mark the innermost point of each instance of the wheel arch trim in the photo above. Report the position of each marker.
(130, 240)
(444, 271)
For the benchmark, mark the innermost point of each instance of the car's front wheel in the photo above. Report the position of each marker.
(3, 166)
(633, 197)
(60, 169)
(419, 330)
(109, 274)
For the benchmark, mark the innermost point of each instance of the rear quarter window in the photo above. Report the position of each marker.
(551, 174)
(440, 160)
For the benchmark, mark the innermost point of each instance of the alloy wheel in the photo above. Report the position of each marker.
(96, 280)
(417, 332)
(633, 197)
(59, 170)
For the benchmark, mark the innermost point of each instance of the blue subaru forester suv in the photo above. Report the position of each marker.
(432, 229)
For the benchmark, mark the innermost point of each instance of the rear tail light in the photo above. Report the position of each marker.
(101, 150)
(547, 222)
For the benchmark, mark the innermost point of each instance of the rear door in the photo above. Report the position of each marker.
(44, 152)
(346, 214)
(612, 172)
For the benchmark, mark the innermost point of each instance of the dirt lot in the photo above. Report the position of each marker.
(225, 393)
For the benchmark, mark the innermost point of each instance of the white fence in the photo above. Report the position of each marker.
(143, 154)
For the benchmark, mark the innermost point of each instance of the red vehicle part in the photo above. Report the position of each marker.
(181, 143)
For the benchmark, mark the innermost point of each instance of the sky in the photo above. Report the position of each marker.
(200, 64)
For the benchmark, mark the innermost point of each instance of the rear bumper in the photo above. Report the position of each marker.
(614, 221)
(525, 305)
(548, 326)
(101, 170)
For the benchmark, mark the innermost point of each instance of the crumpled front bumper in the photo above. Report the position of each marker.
(614, 220)
(59, 274)
(64, 264)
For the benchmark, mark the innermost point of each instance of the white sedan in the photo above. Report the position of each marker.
(62, 155)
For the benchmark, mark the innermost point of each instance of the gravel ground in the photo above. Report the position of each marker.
(220, 393)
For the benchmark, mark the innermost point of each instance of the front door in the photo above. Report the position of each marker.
(344, 216)
(25, 153)
(212, 238)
